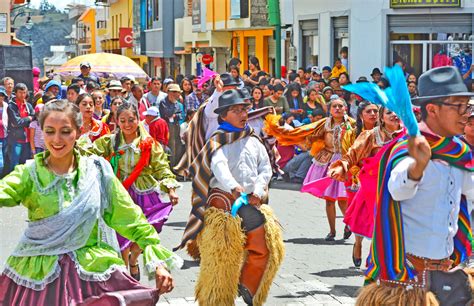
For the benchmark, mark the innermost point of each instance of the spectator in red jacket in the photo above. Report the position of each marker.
(157, 127)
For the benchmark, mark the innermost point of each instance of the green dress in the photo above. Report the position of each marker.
(46, 193)
(157, 175)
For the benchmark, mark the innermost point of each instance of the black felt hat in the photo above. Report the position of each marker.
(229, 98)
(440, 82)
(228, 80)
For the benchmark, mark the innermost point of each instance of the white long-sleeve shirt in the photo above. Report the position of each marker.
(430, 207)
(211, 118)
(244, 162)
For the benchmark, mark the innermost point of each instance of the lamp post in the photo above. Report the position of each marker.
(28, 24)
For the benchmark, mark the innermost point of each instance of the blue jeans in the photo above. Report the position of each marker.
(17, 153)
(3, 147)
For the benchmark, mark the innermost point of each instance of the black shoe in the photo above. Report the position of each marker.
(246, 296)
(286, 177)
(330, 237)
(137, 275)
(357, 261)
(297, 180)
(347, 233)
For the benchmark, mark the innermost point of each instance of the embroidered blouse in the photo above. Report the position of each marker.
(44, 194)
(157, 175)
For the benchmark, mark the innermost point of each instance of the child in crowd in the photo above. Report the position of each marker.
(36, 136)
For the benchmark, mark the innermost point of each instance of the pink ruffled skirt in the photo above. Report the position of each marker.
(336, 190)
(361, 211)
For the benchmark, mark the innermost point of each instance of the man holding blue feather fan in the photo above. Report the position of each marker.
(422, 229)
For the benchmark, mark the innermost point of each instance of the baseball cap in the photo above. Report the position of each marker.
(132, 78)
(167, 81)
(3, 92)
(315, 69)
(152, 111)
(85, 64)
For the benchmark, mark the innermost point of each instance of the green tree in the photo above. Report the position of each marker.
(46, 7)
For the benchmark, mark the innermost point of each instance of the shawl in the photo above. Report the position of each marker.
(70, 228)
(201, 172)
(145, 145)
(387, 259)
(304, 135)
(196, 136)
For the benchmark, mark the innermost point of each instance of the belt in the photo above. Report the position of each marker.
(220, 199)
(422, 266)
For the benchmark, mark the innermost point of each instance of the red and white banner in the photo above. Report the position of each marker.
(126, 37)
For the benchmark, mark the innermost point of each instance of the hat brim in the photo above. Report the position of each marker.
(232, 84)
(222, 108)
(421, 100)
(180, 91)
(115, 88)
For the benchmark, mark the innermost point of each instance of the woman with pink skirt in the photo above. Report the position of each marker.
(327, 139)
(365, 153)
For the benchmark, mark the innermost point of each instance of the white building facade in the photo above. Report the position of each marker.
(421, 33)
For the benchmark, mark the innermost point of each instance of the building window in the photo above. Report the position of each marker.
(102, 24)
(340, 39)
(152, 12)
(310, 42)
(422, 42)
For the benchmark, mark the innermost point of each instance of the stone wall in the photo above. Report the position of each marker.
(258, 13)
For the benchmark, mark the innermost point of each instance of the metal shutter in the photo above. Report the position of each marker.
(445, 23)
(271, 47)
(309, 27)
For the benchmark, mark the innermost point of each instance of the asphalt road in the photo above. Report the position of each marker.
(314, 272)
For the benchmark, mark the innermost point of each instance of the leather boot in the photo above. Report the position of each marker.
(257, 259)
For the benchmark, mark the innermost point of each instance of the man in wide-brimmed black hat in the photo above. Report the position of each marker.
(204, 122)
(230, 178)
(376, 75)
(428, 183)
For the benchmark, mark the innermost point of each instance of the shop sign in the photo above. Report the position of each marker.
(424, 3)
(3, 23)
(196, 15)
(126, 37)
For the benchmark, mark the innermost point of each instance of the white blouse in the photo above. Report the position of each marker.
(430, 207)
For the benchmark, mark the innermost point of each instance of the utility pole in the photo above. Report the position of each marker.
(274, 20)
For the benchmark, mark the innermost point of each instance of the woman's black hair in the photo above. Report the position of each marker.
(294, 87)
(260, 102)
(347, 77)
(124, 107)
(255, 62)
(82, 97)
(308, 93)
(359, 124)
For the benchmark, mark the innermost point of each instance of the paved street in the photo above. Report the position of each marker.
(314, 272)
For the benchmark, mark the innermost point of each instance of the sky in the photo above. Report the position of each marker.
(61, 4)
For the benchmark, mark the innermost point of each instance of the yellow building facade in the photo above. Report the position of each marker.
(225, 35)
(120, 15)
(86, 32)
